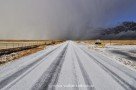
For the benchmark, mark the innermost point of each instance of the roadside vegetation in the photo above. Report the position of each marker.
(17, 49)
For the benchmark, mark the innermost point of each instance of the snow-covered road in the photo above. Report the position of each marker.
(67, 66)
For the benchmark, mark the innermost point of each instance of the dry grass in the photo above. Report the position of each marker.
(5, 44)
(112, 42)
(15, 55)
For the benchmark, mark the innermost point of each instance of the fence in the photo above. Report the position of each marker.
(6, 45)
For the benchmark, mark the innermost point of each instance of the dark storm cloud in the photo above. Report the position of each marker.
(59, 19)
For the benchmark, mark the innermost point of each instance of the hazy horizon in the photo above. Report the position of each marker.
(61, 19)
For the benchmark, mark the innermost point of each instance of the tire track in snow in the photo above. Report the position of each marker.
(15, 75)
(86, 77)
(50, 77)
(75, 74)
(116, 77)
(127, 73)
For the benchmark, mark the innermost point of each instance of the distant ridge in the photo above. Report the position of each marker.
(126, 30)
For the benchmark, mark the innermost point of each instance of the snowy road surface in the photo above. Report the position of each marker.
(67, 66)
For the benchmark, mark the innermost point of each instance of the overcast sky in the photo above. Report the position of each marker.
(61, 19)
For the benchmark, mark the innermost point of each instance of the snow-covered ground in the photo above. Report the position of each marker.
(124, 54)
(68, 66)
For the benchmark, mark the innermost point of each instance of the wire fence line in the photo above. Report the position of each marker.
(6, 45)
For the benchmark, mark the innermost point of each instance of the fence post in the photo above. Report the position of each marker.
(6, 46)
(13, 45)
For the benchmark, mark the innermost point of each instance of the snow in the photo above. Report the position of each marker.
(70, 76)
(122, 54)
(101, 80)
(81, 69)
(35, 74)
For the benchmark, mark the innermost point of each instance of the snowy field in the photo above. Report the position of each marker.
(67, 66)
(124, 54)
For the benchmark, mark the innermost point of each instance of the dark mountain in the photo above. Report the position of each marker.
(126, 30)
